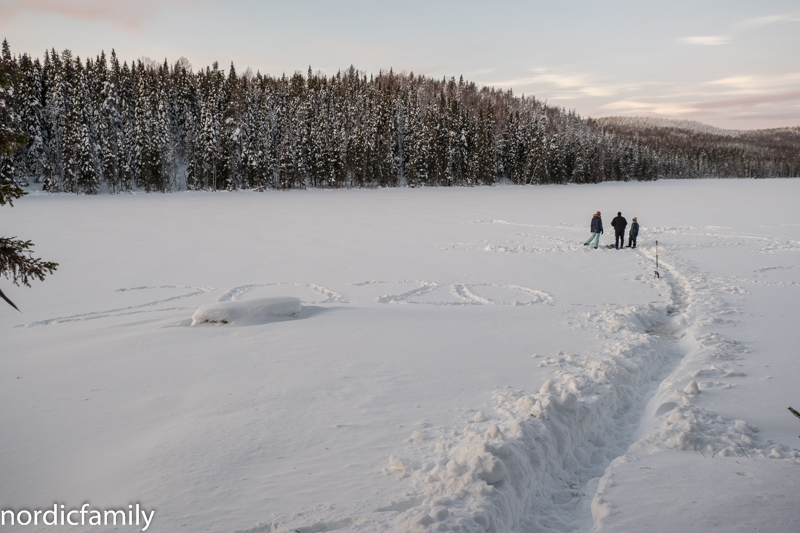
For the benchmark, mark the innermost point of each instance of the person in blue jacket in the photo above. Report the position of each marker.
(597, 229)
(633, 234)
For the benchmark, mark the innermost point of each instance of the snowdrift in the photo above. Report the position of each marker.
(247, 312)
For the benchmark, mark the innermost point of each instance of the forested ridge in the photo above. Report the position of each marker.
(704, 151)
(101, 125)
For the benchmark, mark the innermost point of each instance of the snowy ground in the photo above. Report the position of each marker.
(460, 361)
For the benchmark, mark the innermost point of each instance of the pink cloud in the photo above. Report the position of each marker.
(706, 40)
(129, 15)
(747, 102)
(747, 112)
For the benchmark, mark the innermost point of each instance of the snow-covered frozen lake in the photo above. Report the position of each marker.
(458, 360)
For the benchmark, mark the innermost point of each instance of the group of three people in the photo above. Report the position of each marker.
(619, 224)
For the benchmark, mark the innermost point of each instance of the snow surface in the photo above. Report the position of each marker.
(456, 360)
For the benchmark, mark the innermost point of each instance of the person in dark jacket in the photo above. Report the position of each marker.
(633, 234)
(597, 229)
(619, 224)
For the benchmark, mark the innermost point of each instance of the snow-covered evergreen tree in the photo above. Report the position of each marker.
(11, 136)
(16, 260)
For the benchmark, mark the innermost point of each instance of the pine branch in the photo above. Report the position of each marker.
(10, 192)
(18, 264)
(4, 297)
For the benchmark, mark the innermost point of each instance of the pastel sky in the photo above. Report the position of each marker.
(732, 64)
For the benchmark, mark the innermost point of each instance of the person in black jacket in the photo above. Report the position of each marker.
(633, 234)
(597, 229)
(619, 224)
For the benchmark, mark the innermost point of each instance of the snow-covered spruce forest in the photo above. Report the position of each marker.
(103, 126)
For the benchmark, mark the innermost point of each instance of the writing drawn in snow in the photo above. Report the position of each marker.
(432, 293)
(309, 293)
(138, 300)
(169, 293)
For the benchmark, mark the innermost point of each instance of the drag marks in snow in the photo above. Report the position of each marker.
(526, 244)
(767, 269)
(532, 296)
(548, 238)
(696, 237)
(570, 238)
(561, 226)
(146, 307)
(733, 284)
(421, 293)
(328, 296)
(775, 272)
(405, 297)
(433, 293)
(318, 527)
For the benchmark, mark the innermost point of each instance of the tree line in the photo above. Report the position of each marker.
(98, 125)
(16, 255)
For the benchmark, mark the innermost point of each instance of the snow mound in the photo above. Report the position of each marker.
(247, 312)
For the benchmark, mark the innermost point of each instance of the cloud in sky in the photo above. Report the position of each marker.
(762, 110)
(707, 40)
(758, 22)
(685, 108)
(608, 59)
(733, 101)
(571, 85)
(634, 107)
(750, 84)
(129, 15)
(738, 28)
(739, 96)
(748, 102)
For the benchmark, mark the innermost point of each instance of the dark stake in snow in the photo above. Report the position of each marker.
(795, 413)
(657, 275)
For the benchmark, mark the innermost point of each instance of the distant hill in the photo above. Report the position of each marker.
(702, 150)
(658, 123)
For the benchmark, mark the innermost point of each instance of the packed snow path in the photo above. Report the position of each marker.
(459, 361)
(525, 467)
